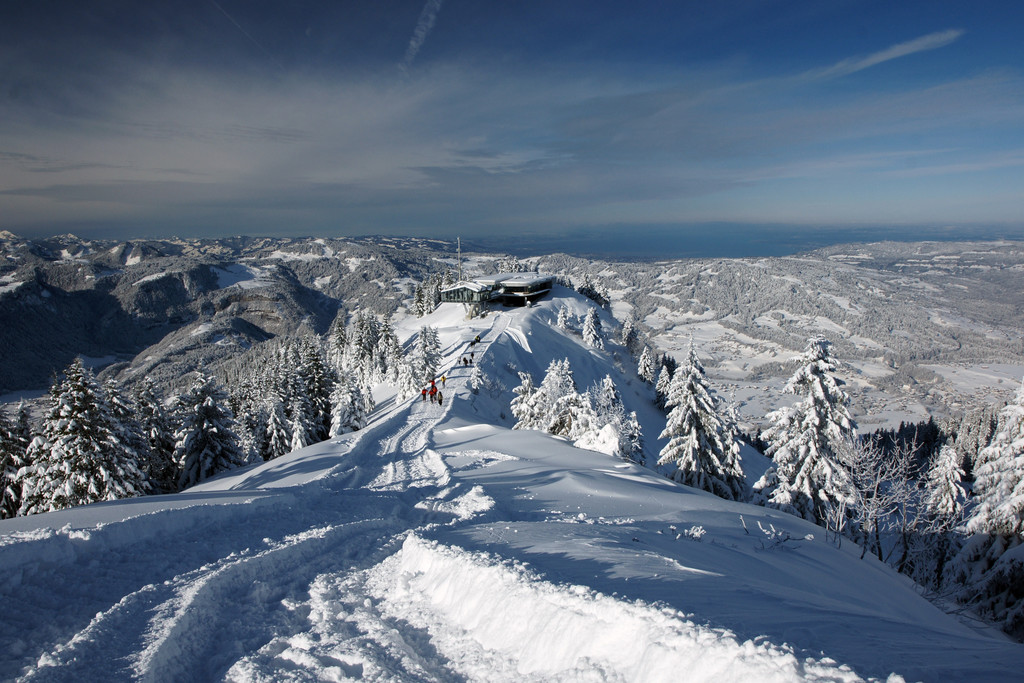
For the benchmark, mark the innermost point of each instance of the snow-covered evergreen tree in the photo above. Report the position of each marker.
(300, 435)
(476, 379)
(999, 477)
(337, 340)
(277, 434)
(944, 488)
(23, 424)
(12, 459)
(563, 317)
(629, 337)
(426, 355)
(388, 353)
(521, 403)
(206, 442)
(634, 438)
(601, 423)
(408, 384)
(349, 408)
(661, 388)
(988, 569)
(554, 405)
(809, 480)
(419, 302)
(645, 366)
(124, 412)
(79, 456)
(702, 446)
(318, 381)
(988, 574)
(158, 429)
(592, 330)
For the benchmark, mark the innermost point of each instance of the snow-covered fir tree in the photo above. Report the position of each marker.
(476, 379)
(426, 355)
(563, 318)
(552, 407)
(388, 353)
(157, 425)
(79, 456)
(603, 425)
(206, 442)
(348, 408)
(629, 336)
(12, 459)
(936, 538)
(427, 295)
(419, 302)
(277, 433)
(337, 340)
(645, 366)
(318, 381)
(592, 330)
(251, 427)
(520, 406)
(125, 412)
(661, 387)
(23, 424)
(510, 264)
(702, 446)
(807, 478)
(999, 476)
(634, 438)
(366, 396)
(408, 383)
(945, 494)
(294, 372)
(300, 436)
(988, 569)
(974, 432)
(362, 359)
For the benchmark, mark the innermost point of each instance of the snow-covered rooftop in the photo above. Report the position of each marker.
(518, 279)
(467, 284)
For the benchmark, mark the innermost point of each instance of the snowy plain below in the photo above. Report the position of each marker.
(438, 544)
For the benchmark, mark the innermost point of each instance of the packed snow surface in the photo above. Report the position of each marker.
(438, 544)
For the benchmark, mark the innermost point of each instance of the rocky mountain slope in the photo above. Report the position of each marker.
(165, 307)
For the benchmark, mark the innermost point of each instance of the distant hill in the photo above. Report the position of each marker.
(929, 328)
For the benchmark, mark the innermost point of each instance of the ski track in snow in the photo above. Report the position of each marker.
(177, 629)
(179, 624)
(338, 579)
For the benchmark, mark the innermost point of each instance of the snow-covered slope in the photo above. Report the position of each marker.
(438, 544)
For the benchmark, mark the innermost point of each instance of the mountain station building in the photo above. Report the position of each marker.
(509, 289)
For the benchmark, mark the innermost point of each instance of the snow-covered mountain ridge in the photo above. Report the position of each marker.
(437, 544)
(925, 329)
(162, 308)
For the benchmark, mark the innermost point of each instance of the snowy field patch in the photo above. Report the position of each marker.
(497, 621)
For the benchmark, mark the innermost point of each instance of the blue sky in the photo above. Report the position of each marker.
(128, 119)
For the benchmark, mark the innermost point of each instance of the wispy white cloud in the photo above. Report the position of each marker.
(851, 65)
(981, 164)
(460, 145)
(423, 27)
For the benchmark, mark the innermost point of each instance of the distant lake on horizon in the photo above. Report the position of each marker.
(719, 240)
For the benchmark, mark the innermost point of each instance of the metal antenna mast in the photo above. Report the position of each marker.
(458, 241)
